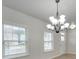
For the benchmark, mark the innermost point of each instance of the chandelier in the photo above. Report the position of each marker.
(59, 23)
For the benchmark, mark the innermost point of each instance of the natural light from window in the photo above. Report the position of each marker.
(14, 40)
(48, 41)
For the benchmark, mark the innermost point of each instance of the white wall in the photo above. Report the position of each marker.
(36, 32)
(71, 42)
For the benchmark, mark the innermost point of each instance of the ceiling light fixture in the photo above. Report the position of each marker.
(59, 24)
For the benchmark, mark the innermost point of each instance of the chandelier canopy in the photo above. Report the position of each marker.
(59, 24)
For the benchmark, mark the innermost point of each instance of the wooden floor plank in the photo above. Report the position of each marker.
(67, 56)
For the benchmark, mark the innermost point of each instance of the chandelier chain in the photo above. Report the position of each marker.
(57, 11)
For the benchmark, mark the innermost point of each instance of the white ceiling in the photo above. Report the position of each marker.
(42, 9)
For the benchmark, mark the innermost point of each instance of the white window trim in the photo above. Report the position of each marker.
(49, 50)
(20, 54)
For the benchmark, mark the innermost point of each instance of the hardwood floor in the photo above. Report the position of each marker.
(67, 56)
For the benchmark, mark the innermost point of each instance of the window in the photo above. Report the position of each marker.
(62, 36)
(48, 41)
(14, 40)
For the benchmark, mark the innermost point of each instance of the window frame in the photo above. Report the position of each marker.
(27, 53)
(52, 42)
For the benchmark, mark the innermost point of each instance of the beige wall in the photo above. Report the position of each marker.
(71, 42)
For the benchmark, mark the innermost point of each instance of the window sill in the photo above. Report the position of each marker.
(15, 56)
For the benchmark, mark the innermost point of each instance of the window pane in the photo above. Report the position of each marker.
(62, 38)
(48, 45)
(47, 36)
(14, 40)
(48, 41)
(7, 32)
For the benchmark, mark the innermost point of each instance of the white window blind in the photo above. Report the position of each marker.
(14, 40)
(48, 41)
